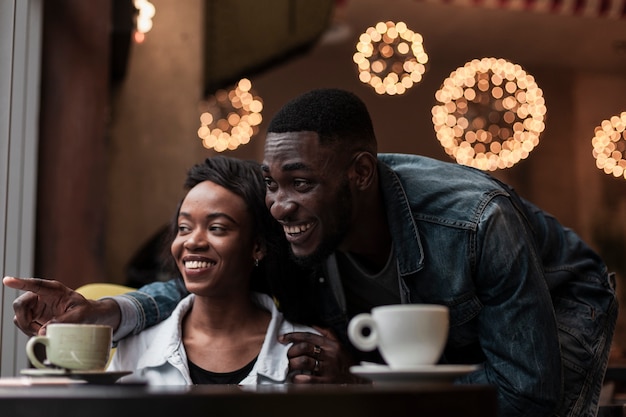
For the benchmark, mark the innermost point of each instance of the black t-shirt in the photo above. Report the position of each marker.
(365, 290)
(202, 376)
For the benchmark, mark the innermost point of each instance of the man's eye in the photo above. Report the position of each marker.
(269, 183)
(217, 229)
(300, 184)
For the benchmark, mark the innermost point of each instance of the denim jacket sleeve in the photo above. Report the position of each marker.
(517, 327)
(148, 306)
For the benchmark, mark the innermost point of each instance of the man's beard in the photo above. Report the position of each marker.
(331, 241)
(321, 253)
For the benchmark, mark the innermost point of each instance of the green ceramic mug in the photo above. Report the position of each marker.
(84, 347)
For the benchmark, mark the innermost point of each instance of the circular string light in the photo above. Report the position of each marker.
(491, 114)
(609, 146)
(230, 118)
(143, 20)
(390, 57)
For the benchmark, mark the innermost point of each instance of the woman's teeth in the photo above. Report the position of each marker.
(197, 264)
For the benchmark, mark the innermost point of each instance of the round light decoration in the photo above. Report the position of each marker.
(390, 57)
(230, 118)
(609, 146)
(490, 115)
(143, 19)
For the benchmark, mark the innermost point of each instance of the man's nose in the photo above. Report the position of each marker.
(281, 206)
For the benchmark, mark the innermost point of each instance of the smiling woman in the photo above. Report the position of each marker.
(225, 245)
(215, 249)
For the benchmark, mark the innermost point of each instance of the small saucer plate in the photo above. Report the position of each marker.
(423, 374)
(91, 377)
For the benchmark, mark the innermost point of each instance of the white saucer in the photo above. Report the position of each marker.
(93, 377)
(422, 374)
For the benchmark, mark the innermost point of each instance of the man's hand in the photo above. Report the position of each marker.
(47, 301)
(318, 358)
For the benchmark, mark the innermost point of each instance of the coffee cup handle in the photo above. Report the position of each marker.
(359, 323)
(30, 349)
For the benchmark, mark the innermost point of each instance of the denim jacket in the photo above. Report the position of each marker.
(528, 299)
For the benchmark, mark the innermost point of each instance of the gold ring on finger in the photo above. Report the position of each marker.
(317, 350)
(316, 368)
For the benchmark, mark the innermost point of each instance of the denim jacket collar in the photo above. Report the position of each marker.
(405, 237)
(404, 232)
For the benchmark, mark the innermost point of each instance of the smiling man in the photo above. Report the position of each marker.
(528, 299)
(307, 179)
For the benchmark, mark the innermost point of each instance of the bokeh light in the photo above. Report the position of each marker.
(490, 114)
(230, 118)
(390, 57)
(609, 146)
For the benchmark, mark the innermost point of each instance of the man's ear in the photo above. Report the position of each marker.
(364, 170)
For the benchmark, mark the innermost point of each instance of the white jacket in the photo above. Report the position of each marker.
(157, 354)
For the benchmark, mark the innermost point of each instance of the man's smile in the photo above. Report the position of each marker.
(297, 229)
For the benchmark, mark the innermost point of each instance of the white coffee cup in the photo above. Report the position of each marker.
(406, 335)
(83, 347)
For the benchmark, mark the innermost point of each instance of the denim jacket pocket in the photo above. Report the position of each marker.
(580, 332)
(585, 334)
(463, 314)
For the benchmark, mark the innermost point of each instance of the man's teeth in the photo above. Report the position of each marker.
(292, 230)
(197, 264)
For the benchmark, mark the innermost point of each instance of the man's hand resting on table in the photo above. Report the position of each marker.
(47, 301)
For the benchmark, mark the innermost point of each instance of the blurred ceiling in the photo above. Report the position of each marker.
(455, 33)
(245, 37)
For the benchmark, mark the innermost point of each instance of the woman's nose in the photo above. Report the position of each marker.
(195, 240)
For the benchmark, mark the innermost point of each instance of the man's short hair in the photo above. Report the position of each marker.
(337, 116)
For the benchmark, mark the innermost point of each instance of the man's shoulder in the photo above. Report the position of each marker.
(431, 185)
(423, 168)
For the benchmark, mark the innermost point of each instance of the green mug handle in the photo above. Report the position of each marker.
(30, 349)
